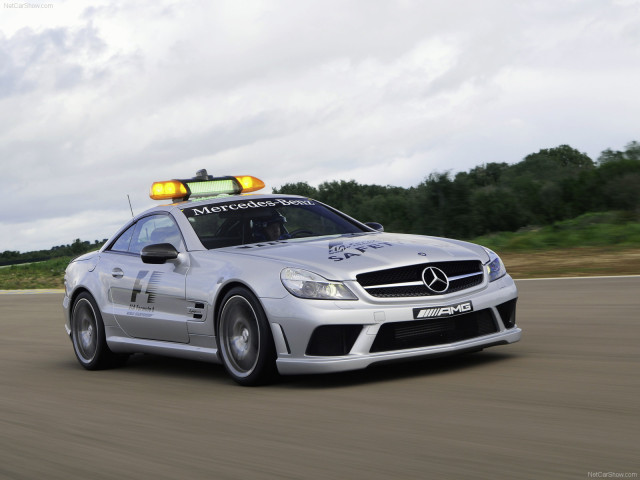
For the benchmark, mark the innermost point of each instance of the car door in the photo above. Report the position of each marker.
(148, 300)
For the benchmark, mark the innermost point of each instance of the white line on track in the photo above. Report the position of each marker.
(603, 277)
(32, 292)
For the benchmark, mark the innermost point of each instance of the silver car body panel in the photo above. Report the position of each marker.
(188, 289)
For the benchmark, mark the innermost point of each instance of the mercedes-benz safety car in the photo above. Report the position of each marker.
(269, 283)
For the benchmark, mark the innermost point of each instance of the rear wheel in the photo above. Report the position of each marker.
(88, 337)
(245, 340)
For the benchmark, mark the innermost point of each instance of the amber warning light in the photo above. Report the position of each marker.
(204, 185)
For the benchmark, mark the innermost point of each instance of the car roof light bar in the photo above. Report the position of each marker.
(204, 185)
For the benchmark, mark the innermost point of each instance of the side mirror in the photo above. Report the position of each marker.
(158, 253)
(375, 226)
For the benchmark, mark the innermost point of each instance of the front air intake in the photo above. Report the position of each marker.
(507, 312)
(333, 340)
(428, 333)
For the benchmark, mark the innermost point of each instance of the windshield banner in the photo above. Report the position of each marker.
(244, 205)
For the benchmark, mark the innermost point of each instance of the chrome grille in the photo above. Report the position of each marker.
(407, 281)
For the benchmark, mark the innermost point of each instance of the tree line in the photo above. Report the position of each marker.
(78, 247)
(550, 185)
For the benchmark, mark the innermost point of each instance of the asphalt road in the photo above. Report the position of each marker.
(562, 403)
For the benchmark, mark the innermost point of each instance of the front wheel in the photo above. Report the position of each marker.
(88, 337)
(245, 340)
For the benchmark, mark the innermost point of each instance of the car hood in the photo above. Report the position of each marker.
(343, 257)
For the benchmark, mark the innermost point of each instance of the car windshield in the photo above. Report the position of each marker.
(239, 222)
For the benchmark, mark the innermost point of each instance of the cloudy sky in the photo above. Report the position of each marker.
(98, 99)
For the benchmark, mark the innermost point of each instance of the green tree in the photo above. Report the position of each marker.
(299, 188)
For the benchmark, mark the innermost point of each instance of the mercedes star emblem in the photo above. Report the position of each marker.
(435, 279)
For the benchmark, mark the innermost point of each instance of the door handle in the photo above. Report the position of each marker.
(117, 273)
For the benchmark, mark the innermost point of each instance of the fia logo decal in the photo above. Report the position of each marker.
(145, 292)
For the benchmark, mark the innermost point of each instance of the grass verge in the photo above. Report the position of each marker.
(47, 274)
(572, 262)
(607, 230)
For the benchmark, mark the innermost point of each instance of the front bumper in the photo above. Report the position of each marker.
(295, 320)
(294, 366)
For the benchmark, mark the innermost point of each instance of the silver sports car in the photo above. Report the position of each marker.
(268, 284)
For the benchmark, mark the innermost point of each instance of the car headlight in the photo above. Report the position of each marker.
(495, 267)
(304, 284)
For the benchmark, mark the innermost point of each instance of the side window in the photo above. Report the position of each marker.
(155, 229)
(123, 241)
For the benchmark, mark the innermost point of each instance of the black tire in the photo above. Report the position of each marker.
(244, 338)
(88, 337)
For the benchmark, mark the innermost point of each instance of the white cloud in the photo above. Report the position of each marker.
(99, 101)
